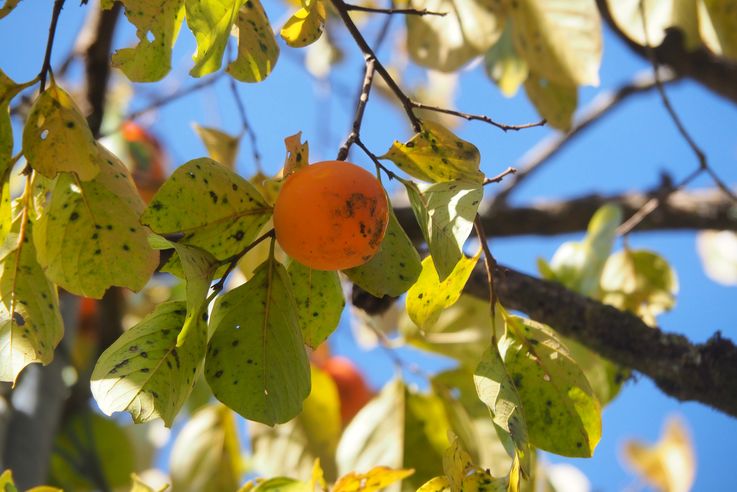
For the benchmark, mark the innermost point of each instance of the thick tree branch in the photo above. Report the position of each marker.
(700, 372)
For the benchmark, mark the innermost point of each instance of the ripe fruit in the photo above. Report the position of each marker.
(147, 159)
(352, 388)
(331, 215)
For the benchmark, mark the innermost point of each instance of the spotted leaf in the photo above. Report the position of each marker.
(319, 299)
(554, 101)
(210, 21)
(306, 25)
(257, 48)
(221, 147)
(375, 479)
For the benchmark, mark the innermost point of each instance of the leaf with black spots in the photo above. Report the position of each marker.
(257, 48)
(211, 22)
(306, 25)
(319, 299)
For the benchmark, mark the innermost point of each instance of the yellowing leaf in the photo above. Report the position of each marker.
(89, 237)
(256, 362)
(504, 66)
(448, 42)
(394, 269)
(257, 48)
(306, 25)
(437, 155)
(718, 26)
(220, 146)
(320, 301)
(30, 321)
(659, 15)
(214, 208)
(375, 479)
(210, 21)
(8, 90)
(144, 372)
(206, 454)
(554, 101)
(428, 297)
(6, 482)
(157, 26)
(669, 464)
(436, 484)
(298, 153)
(560, 39)
(56, 137)
(139, 486)
(718, 252)
(8, 7)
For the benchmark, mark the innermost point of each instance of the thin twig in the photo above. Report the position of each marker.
(392, 11)
(489, 265)
(499, 177)
(477, 117)
(247, 128)
(233, 260)
(374, 159)
(360, 109)
(46, 66)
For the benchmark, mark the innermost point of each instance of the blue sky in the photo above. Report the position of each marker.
(626, 151)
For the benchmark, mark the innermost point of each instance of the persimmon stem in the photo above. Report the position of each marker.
(233, 260)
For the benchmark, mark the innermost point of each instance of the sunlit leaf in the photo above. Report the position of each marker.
(463, 474)
(436, 484)
(504, 66)
(56, 137)
(198, 267)
(30, 321)
(212, 206)
(554, 101)
(718, 26)
(718, 252)
(206, 454)
(322, 56)
(8, 7)
(210, 21)
(394, 269)
(448, 42)
(437, 155)
(144, 372)
(298, 153)
(670, 464)
(139, 486)
(257, 48)
(256, 362)
(320, 301)
(428, 297)
(375, 479)
(89, 237)
(157, 26)
(659, 15)
(445, 212)
(560, 39)
(305, 26)
(221, 147)
(605, 377)
(8, 90)
(278, 484)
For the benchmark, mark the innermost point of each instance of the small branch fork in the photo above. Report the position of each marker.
(233, 261)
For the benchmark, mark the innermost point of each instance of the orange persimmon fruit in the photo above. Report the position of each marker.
(353, 391)
(331, 215)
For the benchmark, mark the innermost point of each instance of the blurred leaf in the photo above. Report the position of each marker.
(320, 301)
(220, 146)
(212, 206)
(560, 39)
(439, 90)
(659, 15)
(463, 474)
(157, 26)
(322, 55)
(554, 101)
(437, 155)
(429, 297)
(375, 479)
(448, 42)
(670, 464)
(89, 237)
(305, 26)
(8, 90)
(394, 269)
(30, 322)
(445, 213)
(139, 486)
(436, 484)
(199, 267)
(605, 377)
(206, 455)
(504, 66)
(211, 22)
(718, 26)
(718, 252)
(278, 484)
(298, 153)
(144, 372)
(256, 362)
(56, 137)
(88, 438)
(8, 7)
(257, 48)
(639, 281)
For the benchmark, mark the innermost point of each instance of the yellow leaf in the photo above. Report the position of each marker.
(318, 477)
(554, 101)
(139, 486)
(504, 65)
(437, 484)
(659, 15)
(257, 48)
(56, 137)
(220, 146)
(718, 26)
(306, 25)
(669, 464)
(211, 22)
(375, 479)
(437, 155)
(298, 153)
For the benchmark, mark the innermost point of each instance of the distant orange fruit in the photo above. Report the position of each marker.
(352, 388)
(147, 159)
(331, 215)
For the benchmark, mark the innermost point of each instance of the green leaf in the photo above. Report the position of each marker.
(213, 207)
(221, 147)
(504, 65)
(90, 434)
(560, 39)
(437, 155)
(89, 237)
(312, 434)
(320, 301)
(257, 48)
(659, 15)
(56, 137)
(563, 416)
(7, 483)
(639, 281)
(605, 377)
(144, 372)
(463, 474)
(554, 101)
(279, 484)
(8, 7)
(211, 22)
(448, 42)
(445, 212)
(8, 90)
(199, 268)
(157, 26)
(394, 269)
(206, 455)
(306, 25)
(256, 362)
(428, 297)
(30, 321)
(718, 26)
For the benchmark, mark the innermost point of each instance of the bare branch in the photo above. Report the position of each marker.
(392, 11)
(360, 109)
(499, 177)
(46, 66)
(478, 117)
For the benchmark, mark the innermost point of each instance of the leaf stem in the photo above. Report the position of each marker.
(233, 260)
